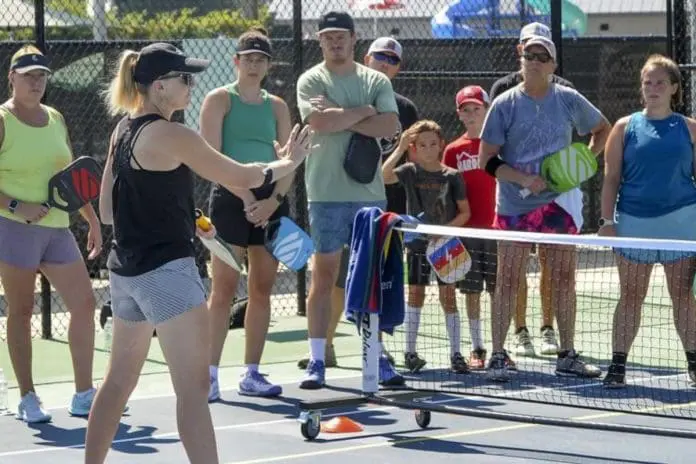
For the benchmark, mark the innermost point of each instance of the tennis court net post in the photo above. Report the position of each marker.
(656, 377)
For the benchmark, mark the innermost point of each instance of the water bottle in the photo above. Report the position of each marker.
(108, 333)
(3, 394)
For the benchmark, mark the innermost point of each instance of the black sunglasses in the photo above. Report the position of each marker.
(390, 59)
(540, 57)
(186, 78)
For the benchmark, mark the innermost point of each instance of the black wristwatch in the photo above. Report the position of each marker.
(12, 206)
(605, 222)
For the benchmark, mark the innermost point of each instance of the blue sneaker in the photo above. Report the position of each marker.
(388, 376)
(81, 403)
(255, 384)
(315, 376)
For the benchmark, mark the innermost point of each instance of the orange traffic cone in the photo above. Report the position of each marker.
(341, 424)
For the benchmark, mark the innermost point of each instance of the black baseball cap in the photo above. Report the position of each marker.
(29, 59)
(254, 44)
(336, 21)
(159, 59)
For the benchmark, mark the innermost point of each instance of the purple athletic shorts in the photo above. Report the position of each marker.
(28, 246)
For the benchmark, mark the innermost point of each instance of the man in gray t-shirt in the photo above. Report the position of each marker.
(528, 130)
(524, 126)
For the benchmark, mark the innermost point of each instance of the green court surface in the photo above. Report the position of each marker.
(656, 345)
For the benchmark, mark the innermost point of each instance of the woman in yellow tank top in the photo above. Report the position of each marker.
(34, 145)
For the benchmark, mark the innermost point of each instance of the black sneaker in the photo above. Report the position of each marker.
(498, 370)
(458, 364)
(413, 362)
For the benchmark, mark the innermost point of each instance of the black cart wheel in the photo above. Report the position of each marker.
(311, 426)
(423, 418)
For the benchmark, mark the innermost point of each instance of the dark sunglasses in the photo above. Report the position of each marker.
(390, 59)
(186, 78)
(540, 57)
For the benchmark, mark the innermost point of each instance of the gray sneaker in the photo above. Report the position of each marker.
(569, 364)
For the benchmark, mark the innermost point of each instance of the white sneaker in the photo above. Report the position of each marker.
(523, 343)
(549, 345)
(31, 411)
(214, 392)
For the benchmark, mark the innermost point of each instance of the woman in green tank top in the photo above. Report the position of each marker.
(34, 145)
(243, 121)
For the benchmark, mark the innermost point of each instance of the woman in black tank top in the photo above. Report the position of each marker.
(147, 194)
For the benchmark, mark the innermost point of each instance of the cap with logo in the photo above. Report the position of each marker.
(336, 21)
(386, 45)
(533, 30)
(254, 44)
(159, 59)
(29, 60)
(544, 42)
(472, 94)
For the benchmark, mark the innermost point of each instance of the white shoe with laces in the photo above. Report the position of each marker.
(31, 411)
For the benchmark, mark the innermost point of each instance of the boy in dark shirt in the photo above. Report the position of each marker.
(438, 193)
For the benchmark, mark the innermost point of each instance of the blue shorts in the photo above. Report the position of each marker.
(677, 225)
(331, 222)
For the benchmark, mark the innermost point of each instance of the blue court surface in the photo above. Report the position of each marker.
(251, 430)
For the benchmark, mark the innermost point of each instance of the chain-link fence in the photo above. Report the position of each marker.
(447, 45)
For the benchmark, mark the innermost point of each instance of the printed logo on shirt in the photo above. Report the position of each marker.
(467, 161)
(389, 144)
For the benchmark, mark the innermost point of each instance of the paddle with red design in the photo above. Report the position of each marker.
(76, 185)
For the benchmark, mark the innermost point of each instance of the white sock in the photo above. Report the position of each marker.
(476, 335)
(213, 372)
(412, 324)
(454, 330)
(317, 349)
(252, 368)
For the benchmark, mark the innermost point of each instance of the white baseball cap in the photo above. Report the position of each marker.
(535, 29)
(386, 44)
(544, 42)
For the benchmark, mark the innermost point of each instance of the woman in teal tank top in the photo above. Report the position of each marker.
(243, 120)
(649, 192)
(34, 145)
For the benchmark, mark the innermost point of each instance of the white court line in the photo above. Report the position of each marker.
(348, 413)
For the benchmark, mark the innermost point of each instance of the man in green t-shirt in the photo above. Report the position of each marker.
(337, 98)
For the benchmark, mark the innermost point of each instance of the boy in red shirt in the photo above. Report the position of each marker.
(462, 154)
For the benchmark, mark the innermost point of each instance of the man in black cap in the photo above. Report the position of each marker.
(339, 98)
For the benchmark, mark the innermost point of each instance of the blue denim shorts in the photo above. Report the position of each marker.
(331, 223)
(677, 225)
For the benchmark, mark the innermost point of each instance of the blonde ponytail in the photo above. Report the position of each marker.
(123, 95)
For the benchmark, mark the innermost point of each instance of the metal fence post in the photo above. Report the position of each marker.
(557, 33)
(300, 194)
(40, 32)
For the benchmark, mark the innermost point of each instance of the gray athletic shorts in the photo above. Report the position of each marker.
(27, 246)
(158, 295)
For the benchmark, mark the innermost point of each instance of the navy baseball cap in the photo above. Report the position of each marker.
(160, 59)
(336, 21)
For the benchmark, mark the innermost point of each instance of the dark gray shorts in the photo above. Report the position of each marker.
(28, 246)
(159, 295)
(484, 266)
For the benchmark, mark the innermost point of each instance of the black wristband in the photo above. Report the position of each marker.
(268, 177)
(493, 164)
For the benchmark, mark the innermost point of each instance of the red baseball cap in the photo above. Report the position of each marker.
(472, 94)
